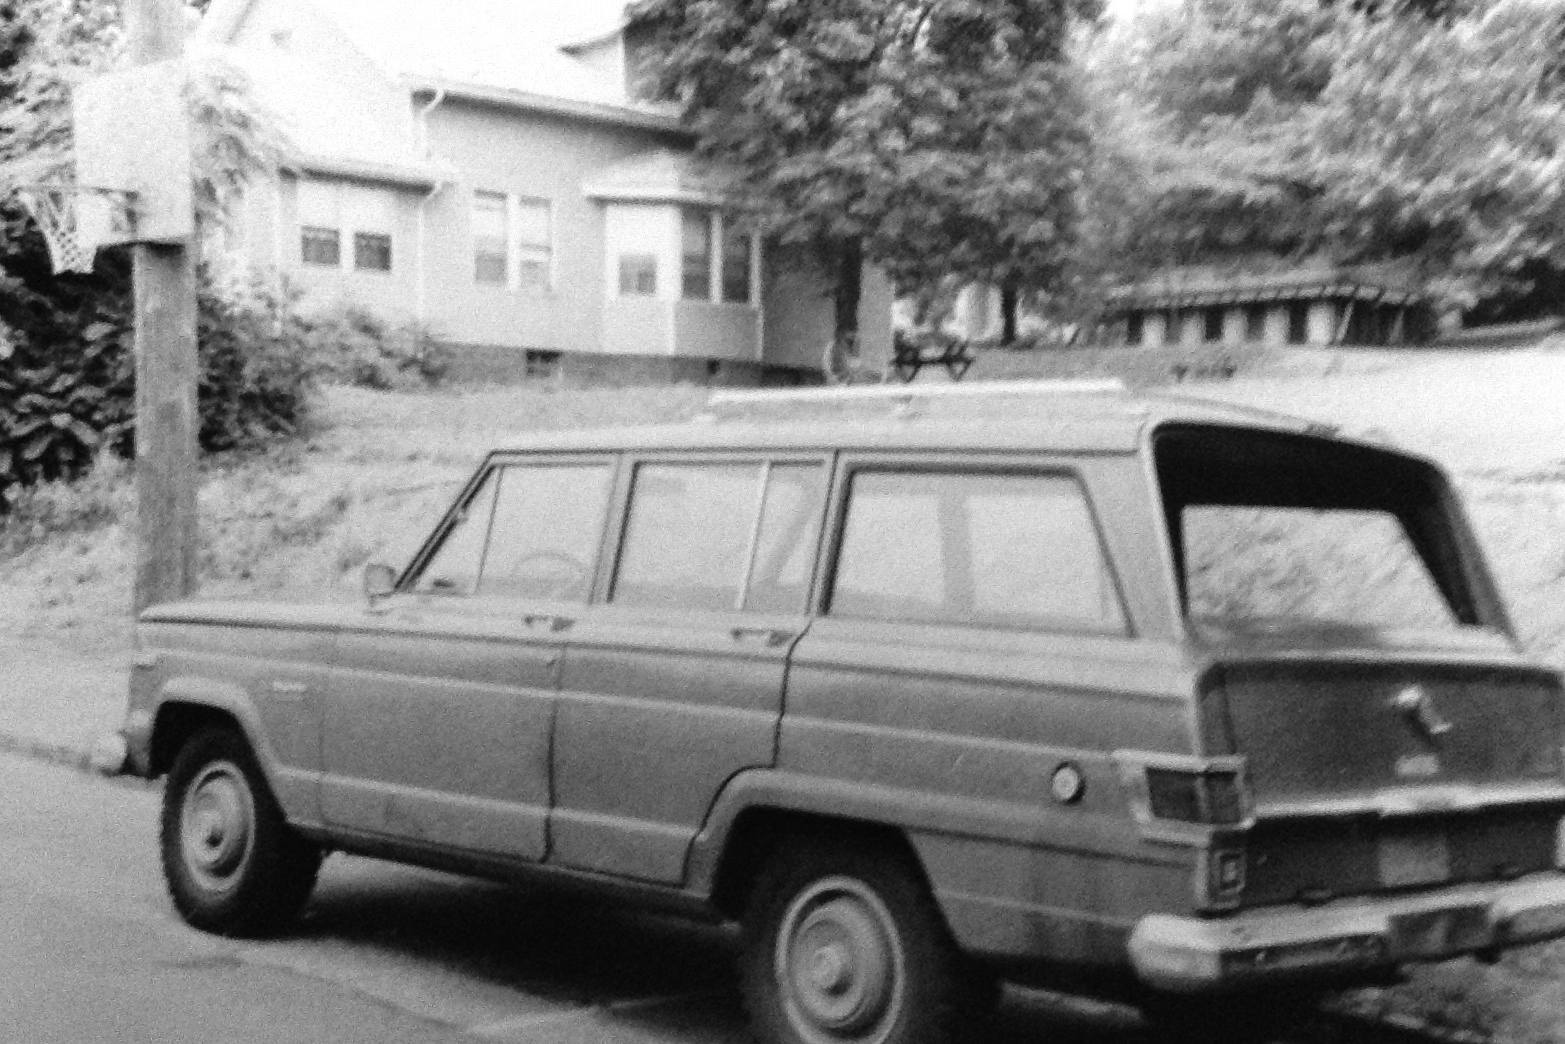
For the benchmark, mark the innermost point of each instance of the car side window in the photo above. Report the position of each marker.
(718, 537)
(785, 539)
(999, 550)
(455, 565)
(548, 523)
(687, 536)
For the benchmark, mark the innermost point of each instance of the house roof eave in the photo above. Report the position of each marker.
(402, 174)
(631, 194)
(594, 112)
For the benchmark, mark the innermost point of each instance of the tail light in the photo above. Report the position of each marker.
(1200, 803)
(1195, 795)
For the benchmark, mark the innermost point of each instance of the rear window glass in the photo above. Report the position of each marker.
(1355, 567)
(1000, 550)
(1281, 530)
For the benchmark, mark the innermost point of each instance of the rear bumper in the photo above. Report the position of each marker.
(1190, 955)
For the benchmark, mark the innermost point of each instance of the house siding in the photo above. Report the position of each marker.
(392, 295)
(538, 156)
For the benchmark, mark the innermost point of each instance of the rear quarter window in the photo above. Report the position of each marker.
(998, 550)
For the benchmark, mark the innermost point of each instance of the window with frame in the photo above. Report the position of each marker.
(529, 531)
(720, 537)
(534, 244)
(542, 363)
(341, 221)
(454, 567)
(319, 245)
(491, 238)
(999, 549)
(1298, 322)
(1255, 322)
(737, 247)
(638, 275)
(1213, 324)
(548, 524)
(696, 254)
(372, 252)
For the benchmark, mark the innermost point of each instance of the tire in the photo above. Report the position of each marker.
(232, 864)
(844, 945)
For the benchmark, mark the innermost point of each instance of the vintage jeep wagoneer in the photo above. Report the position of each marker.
(924, 690)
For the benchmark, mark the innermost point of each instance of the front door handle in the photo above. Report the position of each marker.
(540, 621)
(768, 636)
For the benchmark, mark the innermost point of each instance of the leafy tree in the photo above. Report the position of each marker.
(1431, 132)
(1444, 140)
(65, 368)
(930, 136)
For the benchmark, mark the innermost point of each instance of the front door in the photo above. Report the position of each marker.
(674, 684)
(439, 708)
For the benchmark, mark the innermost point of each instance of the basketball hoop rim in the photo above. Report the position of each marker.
(54, 207)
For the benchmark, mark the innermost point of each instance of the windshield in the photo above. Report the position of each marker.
(1273, 529)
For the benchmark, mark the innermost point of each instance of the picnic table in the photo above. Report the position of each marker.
(910, 354)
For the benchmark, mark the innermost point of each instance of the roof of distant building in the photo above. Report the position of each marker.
(1256, 280)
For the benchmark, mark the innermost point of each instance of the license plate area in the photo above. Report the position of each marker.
(1408, 858)
(1441, 933)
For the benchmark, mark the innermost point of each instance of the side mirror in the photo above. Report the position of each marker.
(379, 580)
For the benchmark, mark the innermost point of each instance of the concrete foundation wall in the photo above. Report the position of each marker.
(500, 364)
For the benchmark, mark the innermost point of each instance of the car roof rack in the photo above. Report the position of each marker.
(903, 393)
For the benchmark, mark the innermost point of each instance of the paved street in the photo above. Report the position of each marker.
(90, 950)
(92, 953)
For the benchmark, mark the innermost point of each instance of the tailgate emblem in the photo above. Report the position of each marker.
(1419, 709)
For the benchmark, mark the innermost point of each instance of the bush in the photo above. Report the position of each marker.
(67, 372)
(353, 347)
(256, 359)
(33, 513)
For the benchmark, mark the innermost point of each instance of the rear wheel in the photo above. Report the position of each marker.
(232, 864)
(845, 946)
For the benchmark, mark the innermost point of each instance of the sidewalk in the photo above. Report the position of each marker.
(57, 702)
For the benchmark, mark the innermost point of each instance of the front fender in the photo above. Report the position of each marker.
(295, 791)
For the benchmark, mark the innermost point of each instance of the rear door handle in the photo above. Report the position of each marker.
(539, 621)
(768, 636)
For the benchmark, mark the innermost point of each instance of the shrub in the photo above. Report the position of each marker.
(67, 373)
(256, 365)
(353, 347)
(98, 497)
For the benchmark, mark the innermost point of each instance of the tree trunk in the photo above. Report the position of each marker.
(846, 293)
(1010, 302)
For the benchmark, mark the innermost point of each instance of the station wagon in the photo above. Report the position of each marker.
(924, 689)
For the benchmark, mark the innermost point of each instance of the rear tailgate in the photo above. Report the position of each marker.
(1375, 773)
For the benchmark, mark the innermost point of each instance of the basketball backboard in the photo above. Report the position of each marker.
(133, 135)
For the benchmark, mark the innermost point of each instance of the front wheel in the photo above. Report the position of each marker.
(845, 946)
(232, 864)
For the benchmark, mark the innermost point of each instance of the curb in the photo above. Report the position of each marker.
(76, 758)
(63, 754)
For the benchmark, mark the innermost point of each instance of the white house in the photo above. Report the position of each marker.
(488, 169)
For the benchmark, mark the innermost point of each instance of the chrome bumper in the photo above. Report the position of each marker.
(136, 731)
(1190, 955)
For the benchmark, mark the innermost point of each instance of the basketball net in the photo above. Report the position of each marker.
(75, 221)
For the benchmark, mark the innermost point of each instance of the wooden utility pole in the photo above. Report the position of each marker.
(166, 374)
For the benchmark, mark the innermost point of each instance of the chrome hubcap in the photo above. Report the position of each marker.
(839, 963)
(217, 825)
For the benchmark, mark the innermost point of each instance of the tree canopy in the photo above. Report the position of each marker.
(932, 137)
(1429, 132)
